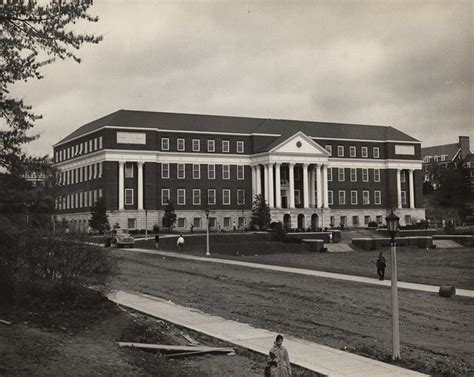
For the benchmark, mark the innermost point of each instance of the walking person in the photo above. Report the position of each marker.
(180, 243)
(157, 241)
(278, 362)
(381, 266)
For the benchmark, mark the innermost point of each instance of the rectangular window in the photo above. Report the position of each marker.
(225, 146)
(378, 197)
(181, 173)
(353, 197)
(91, 145)
(180, 145)
(165, 171)
(329, 174)
(129, 197)
(365, 198)
(342, 197)
(355, 220)
(343, 220)
(330, 197)
(80, 199)
(100, 142)
(376, 152)
(101, 193)
(296, 174)
(352, 151)
(226, 197)
(211, 196)
(341, 174)
(240, 172)
(132, 223)
(181, 195)
(297, 197)
(211, 146)
(196, 145)
(353, 175)
(95, 144)
(226, 222)
(240, 147)
(404, 197)
(329, 149)
(211, 171)
(128, 170)
(366, 219)
(91, 202)
(240, 196)
(402, 176)
(196, 197)
(364, 152)
(212, 222)
(99, 168)
(365, 175)
(86, 147)
(225, 171)
(376, 175)
(165, 196)
(197, 222)
(340, 151)
(80, 175)
(181, 222)
(165, 144)
(196, 171)
(378, 219)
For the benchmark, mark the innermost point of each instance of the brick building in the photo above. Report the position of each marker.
(311, 173)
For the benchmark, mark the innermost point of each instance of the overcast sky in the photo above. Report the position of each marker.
(408, 64)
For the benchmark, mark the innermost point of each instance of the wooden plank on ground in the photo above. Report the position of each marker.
(168, 347)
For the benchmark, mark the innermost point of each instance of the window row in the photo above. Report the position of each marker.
(197, 196)
(81, 174)
(364, 151)
(355, 220)
(341, 174)
(196, 171)
(85, 147)
(435, 158)
(228, 223)
(354, 197)
(83, 199)
(196, 145)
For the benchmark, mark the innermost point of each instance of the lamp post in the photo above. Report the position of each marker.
(393, 227)
(322, 217)
(207, 231)
(146, 225)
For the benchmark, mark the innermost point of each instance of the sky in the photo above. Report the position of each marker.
(406, 64)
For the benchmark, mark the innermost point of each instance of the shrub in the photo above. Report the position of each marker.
(372, 224)
(278, 231)
(156, 228)
(292, 240)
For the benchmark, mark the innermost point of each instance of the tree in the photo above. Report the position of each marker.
(260, 213)
(33, 36)
(452, 190)
(99, 220)
(170, 217)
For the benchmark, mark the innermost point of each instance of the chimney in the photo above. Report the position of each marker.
(465, 146)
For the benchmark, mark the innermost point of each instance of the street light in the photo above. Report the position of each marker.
(207, 231)
(393, 227)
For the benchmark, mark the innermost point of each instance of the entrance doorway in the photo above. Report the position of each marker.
(287, 222)
(314, 221)
(301, 224)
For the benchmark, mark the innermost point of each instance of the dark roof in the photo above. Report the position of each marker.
(217, 123)
(469, 157)
(449, 150)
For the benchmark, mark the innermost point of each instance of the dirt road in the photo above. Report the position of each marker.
(436, 333)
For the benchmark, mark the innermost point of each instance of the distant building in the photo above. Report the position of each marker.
(312, 174)
(444, 156)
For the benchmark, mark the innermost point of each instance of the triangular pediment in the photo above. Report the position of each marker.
(299, 143)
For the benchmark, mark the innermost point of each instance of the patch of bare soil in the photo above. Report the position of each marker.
(51, 340)
(436, 333)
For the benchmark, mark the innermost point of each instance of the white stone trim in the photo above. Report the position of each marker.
(367, 140)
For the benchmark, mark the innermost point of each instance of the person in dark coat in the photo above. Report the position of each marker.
(157, 240)
(381, 266)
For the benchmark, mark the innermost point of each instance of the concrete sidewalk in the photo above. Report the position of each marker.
(303, 271)
(321, 359)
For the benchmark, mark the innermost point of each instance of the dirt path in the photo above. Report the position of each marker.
(436, 333)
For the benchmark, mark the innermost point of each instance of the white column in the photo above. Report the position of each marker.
(271, 202)
(121, 185)
(319, 187)
(254, 181)
(305, 186)
(140, 186)
(265, 180)
(411, 186)
(277, 186)
(312, 199)
(325, 186)
(399, 189)
(291, 188)
(259, 179)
